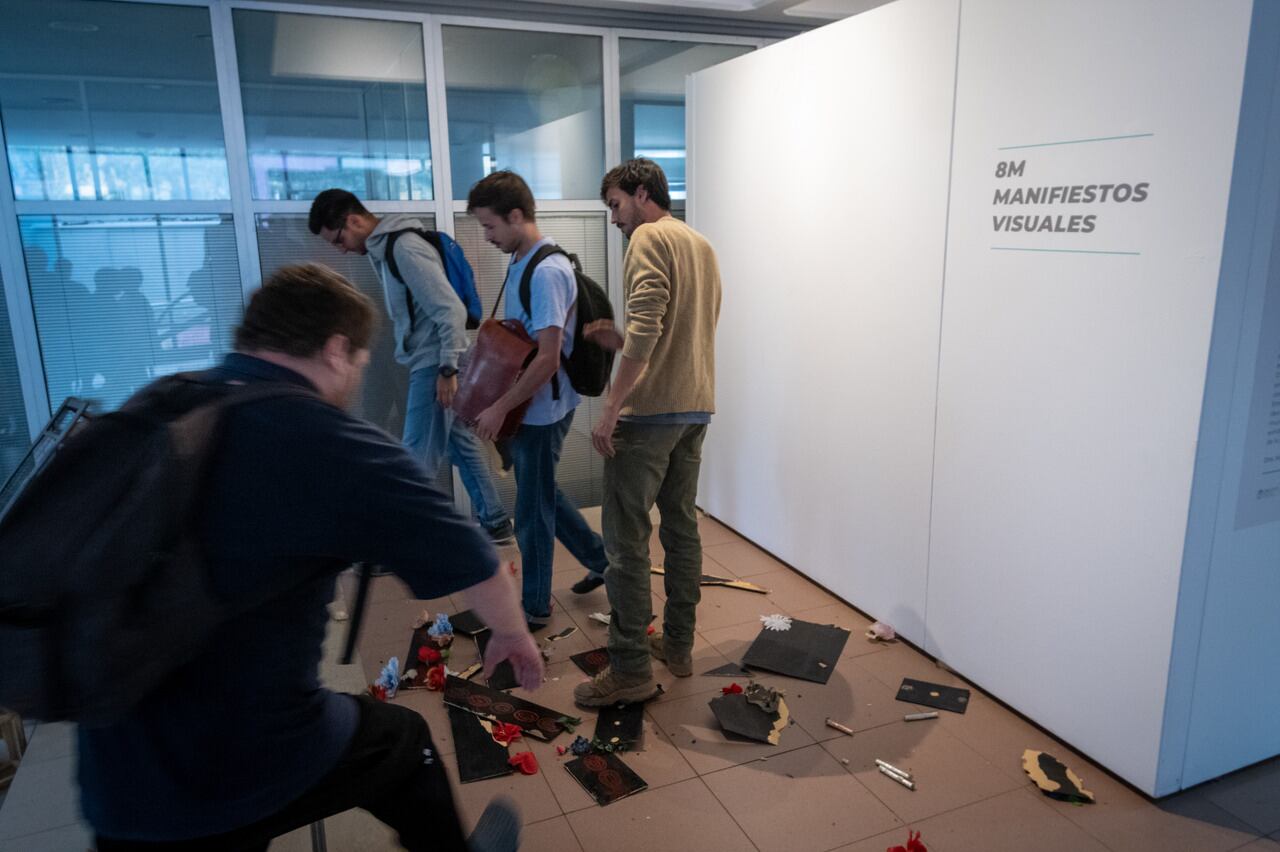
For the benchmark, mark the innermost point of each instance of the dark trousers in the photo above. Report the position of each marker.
(391, 769)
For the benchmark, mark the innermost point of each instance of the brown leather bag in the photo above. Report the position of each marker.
(502, 351)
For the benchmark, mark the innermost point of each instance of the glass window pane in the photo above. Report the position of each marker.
(527, 101)
(651, 82)
(121, 300)
(581, 469)
(14, 437)
(283, 239)
(333, 102)
(91, 92)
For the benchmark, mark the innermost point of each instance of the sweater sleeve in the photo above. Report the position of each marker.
(423, 272)
(648, 274)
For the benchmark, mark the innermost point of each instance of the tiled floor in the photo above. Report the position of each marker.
(817, 790)
(707, 794)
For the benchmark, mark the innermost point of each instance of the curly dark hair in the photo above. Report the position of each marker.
(634, 174)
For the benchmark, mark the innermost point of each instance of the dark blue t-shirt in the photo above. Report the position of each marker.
(300, 490)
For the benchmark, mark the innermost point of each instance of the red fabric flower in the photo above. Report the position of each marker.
(913, 844)
(506, 733)
(378, 692)
(731, 689)
(435, 678)
(525, 762)
(430, 656)
(649, 632)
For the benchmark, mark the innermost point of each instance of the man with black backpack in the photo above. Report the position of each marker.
(431, 298)
(548, 303)
(239, 743)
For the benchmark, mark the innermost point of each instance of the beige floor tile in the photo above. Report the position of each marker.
(712, 532)
(42, 797)
(887, 840)
(741, 558)
(351, 831)
(693, 728)
(722, 607)
(1252, 794)
(948, 773)
(791, 592)
(800, 801)
(732, 640)
(1123, 819)
(394, 619)
(549, 835)
(531, 793)
(660, 764)
(387, 588)
(1011, 822)
(852, 697)
(68, 838)
(899, 660)
(50, 741)
(679, 816)
(1262, 844)
(705, 658)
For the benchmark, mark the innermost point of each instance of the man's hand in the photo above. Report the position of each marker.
(603, 333)
(602, 435)
(446, 390)
(518, 647)
(489, 423)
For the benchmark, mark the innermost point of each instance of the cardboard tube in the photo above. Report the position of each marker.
(893, 769)
(903, 781)
(832, 723)
(919, 717)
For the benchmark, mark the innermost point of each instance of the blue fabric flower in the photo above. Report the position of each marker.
(389, 677)
(442, 627)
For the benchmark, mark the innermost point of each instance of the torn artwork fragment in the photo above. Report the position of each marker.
(488, 703)
(1055, 779)
(504, 676)
(468, 623)
(426, 651)
(933, 695)
(739, 714)
(807, 651)
(592, 662)
(728, 670)
(479, 756)
(620, 727)
(605, 777)
(726, 582)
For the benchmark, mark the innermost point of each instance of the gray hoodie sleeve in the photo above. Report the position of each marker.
(423, 272)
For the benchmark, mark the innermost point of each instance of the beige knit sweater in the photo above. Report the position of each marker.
(672, 289)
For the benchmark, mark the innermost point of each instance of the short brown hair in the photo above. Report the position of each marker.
(634, 174)
(300, 307)
(502, 192)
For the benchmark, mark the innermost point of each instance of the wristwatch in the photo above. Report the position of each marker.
(448, 372)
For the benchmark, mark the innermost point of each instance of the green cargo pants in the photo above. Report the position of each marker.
(652, 464)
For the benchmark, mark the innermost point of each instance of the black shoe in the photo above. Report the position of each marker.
(589, 583)
(535, 626)
(501, 534)
(498, 829)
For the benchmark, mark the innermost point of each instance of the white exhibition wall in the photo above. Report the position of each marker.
(826, 232)
(988, 436)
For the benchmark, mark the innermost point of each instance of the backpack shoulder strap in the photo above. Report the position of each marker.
(432, 239)
(526, 280)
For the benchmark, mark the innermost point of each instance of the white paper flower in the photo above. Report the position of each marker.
(776, 622)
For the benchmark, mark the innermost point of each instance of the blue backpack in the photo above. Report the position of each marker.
(456, 268)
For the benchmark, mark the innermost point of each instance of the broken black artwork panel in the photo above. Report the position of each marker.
(467, 623)
(534, 719)
(933, 695)
(479, 755)
(606, 778)
(621, 726)
(592, 662)
(807, 651)
(504, 676)
(738, 716)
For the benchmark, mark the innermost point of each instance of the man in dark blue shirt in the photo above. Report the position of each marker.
(243, 744)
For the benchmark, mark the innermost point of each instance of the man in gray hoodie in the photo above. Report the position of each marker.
(429, 322)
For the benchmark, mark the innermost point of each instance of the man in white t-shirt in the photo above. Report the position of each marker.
(504, 207)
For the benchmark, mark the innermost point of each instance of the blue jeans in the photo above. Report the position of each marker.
(544, 514)
(430, 432)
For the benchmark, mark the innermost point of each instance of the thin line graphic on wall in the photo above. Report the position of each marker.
(1065, 251)
(1077, 141)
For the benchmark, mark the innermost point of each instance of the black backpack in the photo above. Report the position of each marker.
(588, 365)
(103, 590)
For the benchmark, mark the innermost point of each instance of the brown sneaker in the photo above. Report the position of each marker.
(610, 687)
(679, 663)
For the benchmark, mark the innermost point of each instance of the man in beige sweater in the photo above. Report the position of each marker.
(650, 433)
